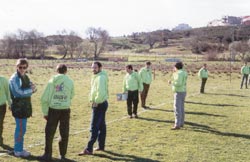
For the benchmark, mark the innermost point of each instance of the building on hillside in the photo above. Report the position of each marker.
(182, 27)
(245, 20)
(217, 23)
(226, 21)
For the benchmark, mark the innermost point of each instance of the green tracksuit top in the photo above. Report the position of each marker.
(203, 73)
(245, 70)
(99, 88)
(4, 91)
(132, 82)
(146, 75)
(179, 81)
(58, 93)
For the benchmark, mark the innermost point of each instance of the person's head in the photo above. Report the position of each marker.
(205, 66)
(178, 65)
(61, 68)
(96, 67)
(22, 65)
(148, 64)
(129, 69)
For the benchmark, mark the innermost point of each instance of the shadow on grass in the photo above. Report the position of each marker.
(202, 113)
(120, 157)
(220, 105)
(202, 128)
(206, 129)
(234, 95)
(190, 112)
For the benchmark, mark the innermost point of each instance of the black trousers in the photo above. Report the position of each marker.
(203, 83)
(144, 94)
(54, 117)
(244, 78)
(132, 99)
(2, 115)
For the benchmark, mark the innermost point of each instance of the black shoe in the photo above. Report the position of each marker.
(136, 116)
(44, 158)
(144, 107)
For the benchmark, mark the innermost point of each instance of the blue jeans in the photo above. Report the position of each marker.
(19, 134)
(98, 126)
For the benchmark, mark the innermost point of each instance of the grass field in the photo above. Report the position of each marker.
(216, 128)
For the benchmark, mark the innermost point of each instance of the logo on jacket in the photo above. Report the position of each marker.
(60, 87)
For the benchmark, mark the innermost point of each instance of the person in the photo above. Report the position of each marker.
(245, 71)
(146, 77)
(131, 85)
(21, 89)
(98, 98)
(203, 74)
(179, 89)
(55, 103)
(4, 97)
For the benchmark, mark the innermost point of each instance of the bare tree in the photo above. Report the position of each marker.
(35, 42)
(240, 48)
(69, 42)
(99, 38)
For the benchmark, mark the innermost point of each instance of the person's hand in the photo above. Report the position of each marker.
(45, 117)
(33, 87)
(94, 104)
(140, 92)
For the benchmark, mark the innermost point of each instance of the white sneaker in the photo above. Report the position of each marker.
(23, 153)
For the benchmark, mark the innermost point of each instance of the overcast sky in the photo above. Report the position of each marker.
(118, 17)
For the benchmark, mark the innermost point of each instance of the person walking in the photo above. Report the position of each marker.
(21, 89)
(146, 77)
(4, 97)
(245, 71)
(132, 85)
(203, 74)
(55, 102)
(98, 98)
(179, 88)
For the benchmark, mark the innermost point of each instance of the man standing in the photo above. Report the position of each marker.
(4, 96)
(203, 74)
(56, 101)
(179, 89)
(98, 97)
(131, 85)
(245, 71)
(146, 77)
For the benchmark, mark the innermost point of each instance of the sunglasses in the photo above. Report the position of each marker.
(22, 67)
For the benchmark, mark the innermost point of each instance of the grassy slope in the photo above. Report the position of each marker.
(216, 123)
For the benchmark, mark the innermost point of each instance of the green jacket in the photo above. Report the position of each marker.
(99, 88)
(58, 93)
(203, 73)
(132, 82)
(146, 75)
(4, 91)
(245, 70)
(179, 81)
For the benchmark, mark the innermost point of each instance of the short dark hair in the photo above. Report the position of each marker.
(148, 63)
(61, 68)
(22, 61)
(98, 64)
(178, 65)
(129, 67)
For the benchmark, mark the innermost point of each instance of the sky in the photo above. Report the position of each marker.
(118, 17)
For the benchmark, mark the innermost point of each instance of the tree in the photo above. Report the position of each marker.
(68, 43)
(36, 42)
(99, 38)
(240, 48)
